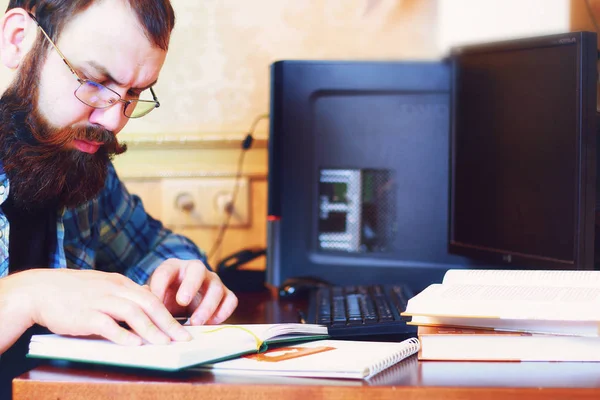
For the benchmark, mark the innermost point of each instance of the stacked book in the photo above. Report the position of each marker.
(509, 315)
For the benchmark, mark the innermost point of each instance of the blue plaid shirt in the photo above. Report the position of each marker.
(110, 233)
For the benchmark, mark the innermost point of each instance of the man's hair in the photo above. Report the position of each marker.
(155, 16)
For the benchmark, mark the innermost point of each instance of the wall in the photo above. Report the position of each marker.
(466, 21)
(581, 17)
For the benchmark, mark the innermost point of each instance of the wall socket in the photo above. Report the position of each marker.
(204, 202)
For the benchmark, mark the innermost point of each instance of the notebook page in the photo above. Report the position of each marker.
(524, 277)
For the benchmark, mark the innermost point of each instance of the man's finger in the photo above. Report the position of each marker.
(225, 309)
(212, 296)
(122, 309)
(163, 277)
(156, 312)
(194, 274)
(108, 328)
(195, 303)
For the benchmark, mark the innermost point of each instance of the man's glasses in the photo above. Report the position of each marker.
(97, 95)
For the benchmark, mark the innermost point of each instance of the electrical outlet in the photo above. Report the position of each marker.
(205, 202)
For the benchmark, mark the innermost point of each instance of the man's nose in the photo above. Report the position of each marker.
(110, 118)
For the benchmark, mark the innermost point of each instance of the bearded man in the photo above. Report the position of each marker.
(78, 253)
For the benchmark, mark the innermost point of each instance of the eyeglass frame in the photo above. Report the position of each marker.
(83, 81)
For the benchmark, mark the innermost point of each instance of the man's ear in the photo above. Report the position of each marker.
(17, 34)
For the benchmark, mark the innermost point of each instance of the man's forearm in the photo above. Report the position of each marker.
(15, 316)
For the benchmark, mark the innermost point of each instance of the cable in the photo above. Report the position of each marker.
(246, 145)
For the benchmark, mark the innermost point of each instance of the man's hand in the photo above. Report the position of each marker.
(189, 288)
(92, 303)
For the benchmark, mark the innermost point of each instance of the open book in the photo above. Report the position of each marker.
(556, 302)
(210, 343)
(322, 358)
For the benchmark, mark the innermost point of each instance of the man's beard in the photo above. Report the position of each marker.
(41, 169)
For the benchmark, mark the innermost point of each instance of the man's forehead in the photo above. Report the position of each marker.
(113, 39)
(104, 72)
(104, 13)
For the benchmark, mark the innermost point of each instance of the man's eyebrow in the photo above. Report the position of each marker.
(104, 72)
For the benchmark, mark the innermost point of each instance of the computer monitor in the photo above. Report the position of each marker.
(523, 152)
(359, 172)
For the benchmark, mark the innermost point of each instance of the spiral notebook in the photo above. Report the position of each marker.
(321, 359)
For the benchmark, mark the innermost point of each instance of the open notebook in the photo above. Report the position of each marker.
(322, 358)
(209, 344)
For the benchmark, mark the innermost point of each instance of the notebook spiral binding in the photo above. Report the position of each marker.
(411, 347)
(405, 373)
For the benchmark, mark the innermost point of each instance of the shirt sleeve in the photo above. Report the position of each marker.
(131, 240)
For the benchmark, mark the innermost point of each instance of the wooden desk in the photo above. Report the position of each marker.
(408, 380)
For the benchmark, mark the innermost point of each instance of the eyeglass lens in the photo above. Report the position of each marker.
(99, 96)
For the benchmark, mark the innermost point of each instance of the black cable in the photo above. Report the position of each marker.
(246, 145)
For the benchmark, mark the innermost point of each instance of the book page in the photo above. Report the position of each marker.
(523, 277)
(264, 331)
(285, 331)
(510, 302)
(267, 333)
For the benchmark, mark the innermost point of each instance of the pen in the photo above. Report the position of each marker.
(301, 317)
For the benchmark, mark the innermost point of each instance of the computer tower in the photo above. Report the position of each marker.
(358, 172)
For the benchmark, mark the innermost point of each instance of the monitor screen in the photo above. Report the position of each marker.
(523, 151)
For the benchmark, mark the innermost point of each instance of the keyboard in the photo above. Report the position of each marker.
(367, 310)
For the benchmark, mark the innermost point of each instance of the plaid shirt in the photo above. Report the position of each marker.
(110, 233)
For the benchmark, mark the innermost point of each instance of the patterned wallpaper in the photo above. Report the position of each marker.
(216, 77)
